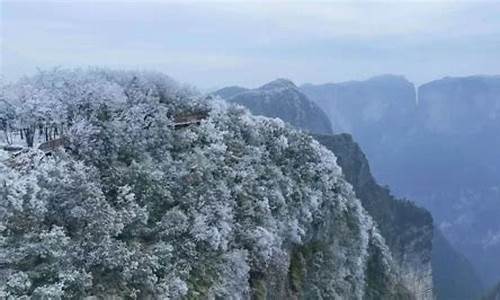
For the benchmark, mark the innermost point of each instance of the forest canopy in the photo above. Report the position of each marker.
(135, 207)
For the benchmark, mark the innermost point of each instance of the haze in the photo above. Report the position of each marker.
(214, 44)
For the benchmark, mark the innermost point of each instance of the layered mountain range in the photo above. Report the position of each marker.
(437, 144)
(406, 228)
(408, 238)
(494, 294)
(281, 98)
(137, 205)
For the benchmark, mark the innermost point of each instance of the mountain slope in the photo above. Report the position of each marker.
(232, 206)
(459, 121)
(454, 277)
(442, 153)
(464, 105)
(281, 98)
(494, 294)
(406, 228)
(367, 109)
(229, 91)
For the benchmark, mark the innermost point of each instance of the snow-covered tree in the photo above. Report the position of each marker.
(137, 208)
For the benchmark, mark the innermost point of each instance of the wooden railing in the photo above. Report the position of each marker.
(179, 122)
(189, 119)
(53, 144)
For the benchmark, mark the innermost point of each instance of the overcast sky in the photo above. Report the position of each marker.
(214, 44)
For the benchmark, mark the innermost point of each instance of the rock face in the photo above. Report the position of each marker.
(406, 228)
(379, 113)
(230, 91)
(373, 111)
(494, 294)
(281, 98)
(465, 105)
(440, 150)
(453, 275)
(459, 122)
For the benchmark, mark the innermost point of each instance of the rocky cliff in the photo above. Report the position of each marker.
(494, 294)
(453, 275)
(438, 147)
(281, 98)
(406, 228)
(408, 231)
(229, 91)
(231, 207)
(458, 141)
(464, 105)
(373, 111)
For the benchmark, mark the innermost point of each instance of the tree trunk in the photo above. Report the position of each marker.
(29, 133)
(7, 136)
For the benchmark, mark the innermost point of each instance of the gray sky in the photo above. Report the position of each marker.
(214, 44)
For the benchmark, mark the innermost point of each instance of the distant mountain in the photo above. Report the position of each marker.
(453, 275)
(460, 105)
(459, 120)
(378, 112)
(230, 206)
(229, 91)
(494, 294)
(440, 150)
(406, 228)
(458, 142)
(373, 111)
(281, 99)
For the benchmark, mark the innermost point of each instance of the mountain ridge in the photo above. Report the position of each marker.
(440, 151)
(409, 237)
(272, 98)
(232, 206)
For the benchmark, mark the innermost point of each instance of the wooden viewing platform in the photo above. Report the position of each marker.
(189, 119)
(180, 121)
(10, 148)
(53, 144)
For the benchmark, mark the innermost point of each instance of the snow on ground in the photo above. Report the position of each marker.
(3, 155)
